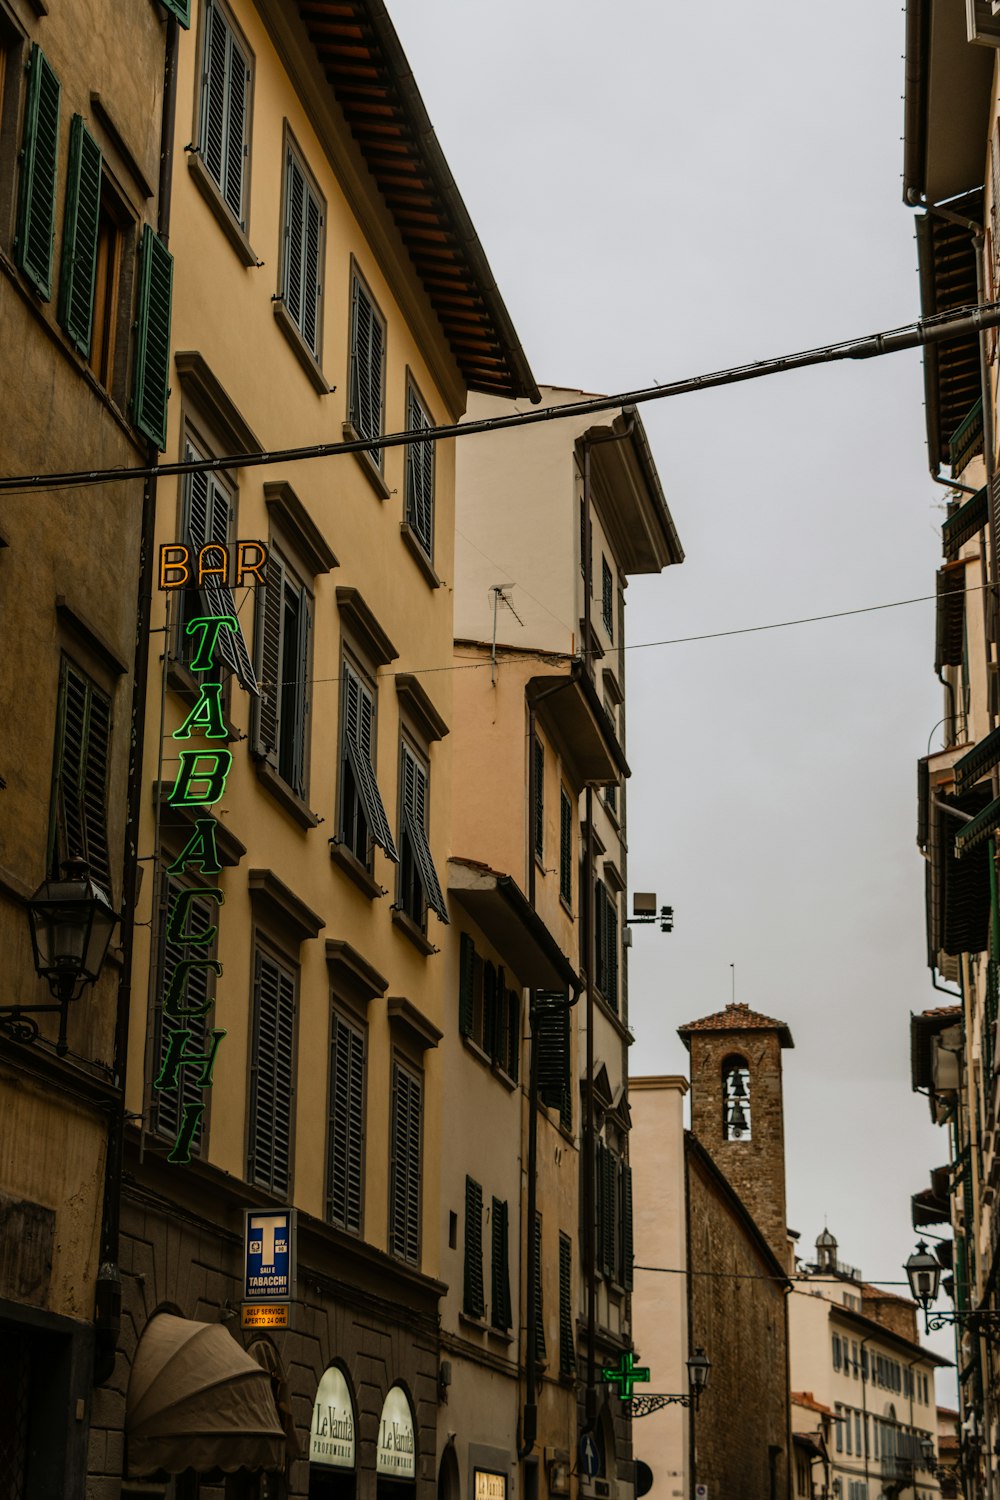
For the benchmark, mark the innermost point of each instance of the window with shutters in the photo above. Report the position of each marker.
(283, 636)
(500, 1314)
(363, 822)
(566, 848)
(169, 1105)
(607, 599)
(36, 214)
(272, 1073)
(606, 944)
(406, 1108)
(419, 474)
(489, 1009)
(78, 820)
(614, 1217)
(567, 1351)
(551, 1041)
(535, 1292)
(151, 381)
(346, 1133)
(226, 94)
(419, 887)
(538, 798)
(302, 249)
(366, 384)
(13, 49)
(473, 1290)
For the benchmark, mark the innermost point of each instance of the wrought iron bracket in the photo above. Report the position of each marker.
(985, 1320)
(17, 1021)
(643, 1406)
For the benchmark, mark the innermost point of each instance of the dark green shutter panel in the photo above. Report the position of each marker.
(538, 812)
(466, 975)
(501, 1043)
(565, 848)
(359, 713)
(419, 476)
(345, 1141)
(404, 1208)
(268, 643)
(607, 1199)
(272, 1076)
(36, 215)
(625, 1210)
(169, 1104)
(500, 1315)
(79, 252)
(567, 1352)
(367, 360)
(551, 1039)
(513, 1034)
(489, 1008)
(473, 1296)
(179, 8)
(536, 1294)
(152, 342)
(79, 826)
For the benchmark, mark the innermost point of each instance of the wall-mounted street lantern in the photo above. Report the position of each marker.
(698, 1367)
(923, 1271)
(71, 921)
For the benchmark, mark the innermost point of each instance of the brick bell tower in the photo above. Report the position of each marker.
(736, 1109)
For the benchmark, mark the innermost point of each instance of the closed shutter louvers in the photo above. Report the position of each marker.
(404, 1217)
(567, 1352)
(79, 253)
(513, 1034)
(36, 218)
(538, 812)
(415, 790)
(419, 476)
(273, 1074)
(80, 777)
(466, 975)
(293, 239)
(268, 640)
(551, 1041)
(565, 848)
(346, 1135)
(625, 1210)
(500, 1313)
(367, 356)
(473, 1296)
(359, 715)
(536, 1294)
(152, 347)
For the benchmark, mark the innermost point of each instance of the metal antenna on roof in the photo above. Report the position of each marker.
(733, 967)
(499, 592)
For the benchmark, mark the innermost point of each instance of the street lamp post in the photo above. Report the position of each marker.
(924, 1274)
(698, 1367)
(71, 921)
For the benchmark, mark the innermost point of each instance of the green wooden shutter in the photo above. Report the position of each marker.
(538, 811)
(512, 1063)
(272, 1075)
(473, 1296)
(567, 1352)
(298, 694)
(625, 1257)
(466, 972)
(78, 825)
(345, 1139)
(500, 1315)
(536, 1293)
(405, 1183)
(152, 344)
(565, 847)
(550, 1031)
(268, 644)
(179, 8)
(489, 1008)
(36, 214)
(79, 251)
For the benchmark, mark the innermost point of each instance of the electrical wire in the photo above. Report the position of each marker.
(956, 323)
(762, 1276)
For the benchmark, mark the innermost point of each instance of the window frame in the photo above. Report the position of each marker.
(417, 873)
(216, 189)
(504, 1055)
(58, 834)
(271, 646)
(351, 666)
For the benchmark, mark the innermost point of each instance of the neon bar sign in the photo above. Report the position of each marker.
(200, 783)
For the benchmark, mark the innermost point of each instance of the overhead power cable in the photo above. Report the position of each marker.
(959, 323)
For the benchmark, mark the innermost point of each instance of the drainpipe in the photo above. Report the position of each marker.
(108, 1296)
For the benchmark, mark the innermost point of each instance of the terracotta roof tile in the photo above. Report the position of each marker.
(737, 1017)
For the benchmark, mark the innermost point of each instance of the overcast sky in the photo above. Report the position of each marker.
(664, 190)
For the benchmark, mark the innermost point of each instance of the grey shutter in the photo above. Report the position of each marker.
(367, 357)
(538, 811)
(272, 1075)
(625, 1211)
(489, 1008)
(268, 632)
(294, 191)
(80, 776)
(225, 97)
(512, 1063)
(213, 96)
(179, 8)
(500, 1315)
(169, 1104)
(218, 597)
(79, 252)
(473, 1296)
(345, 1142)
(602, 1156)
(419, 476)
(312, 225)
(299, 696)
(550, 1032)
(567, 1352)
(415, 818)
(236, 131)
(565, 847)
(404, 1213)
(536, 1293)
(152, 343)
(359, 712)
(36, 216)
(466, 977)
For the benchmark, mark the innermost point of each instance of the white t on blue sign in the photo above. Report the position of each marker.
(269, 1269)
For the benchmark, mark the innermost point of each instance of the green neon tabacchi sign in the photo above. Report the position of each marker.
(200, 783)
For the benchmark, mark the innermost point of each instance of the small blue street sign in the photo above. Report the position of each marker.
(269, 1255)
(590, 1459)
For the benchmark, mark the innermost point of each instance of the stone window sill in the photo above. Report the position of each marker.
(418, 554)
(355, 870)
(369, 467)
(409, 929)
(209, 190)
(306, 358)
(285, 797)
(499, 1073)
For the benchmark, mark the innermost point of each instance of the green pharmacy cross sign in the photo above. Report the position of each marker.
(625, 1375)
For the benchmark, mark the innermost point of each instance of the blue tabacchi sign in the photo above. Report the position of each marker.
(268, 1255)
